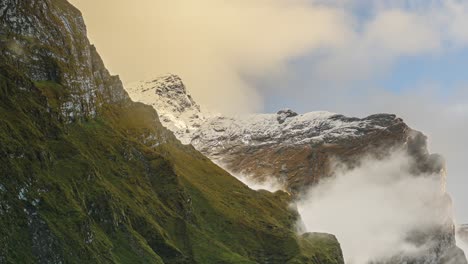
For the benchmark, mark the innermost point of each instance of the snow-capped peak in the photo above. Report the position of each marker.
(179, 112)
(175, 106)
(169, 90)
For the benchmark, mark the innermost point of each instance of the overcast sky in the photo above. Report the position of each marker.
(355, 57)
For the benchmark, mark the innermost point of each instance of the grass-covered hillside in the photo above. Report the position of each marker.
(87, 176)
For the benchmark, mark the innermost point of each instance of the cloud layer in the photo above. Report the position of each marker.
(212, 44)
(218, 46)
(373, 208)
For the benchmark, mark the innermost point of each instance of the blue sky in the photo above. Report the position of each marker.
(445, 73)
(448, 70)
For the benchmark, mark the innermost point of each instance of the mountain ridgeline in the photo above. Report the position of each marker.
(88, 176)
(298, 151)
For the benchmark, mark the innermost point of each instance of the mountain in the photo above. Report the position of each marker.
(89, 176)
(176, 108)
(298, 151)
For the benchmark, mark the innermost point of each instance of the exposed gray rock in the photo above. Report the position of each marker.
(35, 42)
(283, 114)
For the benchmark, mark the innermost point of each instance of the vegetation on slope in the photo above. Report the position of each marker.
(87, 176)
(120, 189)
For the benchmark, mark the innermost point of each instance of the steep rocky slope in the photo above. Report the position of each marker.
(88, 176)
(299, 150)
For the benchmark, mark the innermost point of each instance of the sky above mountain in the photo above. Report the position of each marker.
(354, 57)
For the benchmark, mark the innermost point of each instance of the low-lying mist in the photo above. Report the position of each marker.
(379, 209)
(462, 244)
(373, 207)
(269, 184)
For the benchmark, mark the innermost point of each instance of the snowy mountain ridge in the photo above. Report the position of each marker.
(192, 124)
(243, 145)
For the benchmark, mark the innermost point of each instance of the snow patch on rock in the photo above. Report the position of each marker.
(204, 129)
(176, 108)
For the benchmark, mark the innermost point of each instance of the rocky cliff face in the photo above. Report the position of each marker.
(88, 176)
(176, 108)
(47, 41)
(298, 150)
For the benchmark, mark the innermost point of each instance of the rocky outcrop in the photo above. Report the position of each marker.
(284, 114)
(298, 150)
(47, 41)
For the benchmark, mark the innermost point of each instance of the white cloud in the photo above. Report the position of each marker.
(462, 245)
(442, 116)
(373, 208)
(399, 32)
(454, 18)
(268, 183)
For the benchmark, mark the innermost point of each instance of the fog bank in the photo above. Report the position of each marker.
(374, 207)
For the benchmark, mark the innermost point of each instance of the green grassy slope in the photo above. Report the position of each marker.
(87, 176)
(92, 192)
